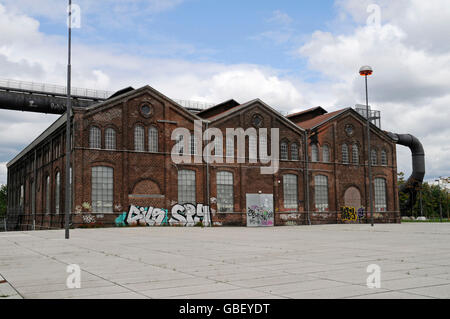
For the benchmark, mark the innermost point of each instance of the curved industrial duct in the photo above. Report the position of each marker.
(418, 163)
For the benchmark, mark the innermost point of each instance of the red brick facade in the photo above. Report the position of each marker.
(151, 178)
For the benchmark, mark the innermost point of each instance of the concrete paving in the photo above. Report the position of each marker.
(328, 261)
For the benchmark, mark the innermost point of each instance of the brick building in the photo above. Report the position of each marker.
(123, 172)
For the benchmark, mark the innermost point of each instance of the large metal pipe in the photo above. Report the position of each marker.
(418, 162)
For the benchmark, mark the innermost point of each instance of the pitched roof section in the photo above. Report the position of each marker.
(250, 103)
(217, 109)
(307, 114)
(318, 120)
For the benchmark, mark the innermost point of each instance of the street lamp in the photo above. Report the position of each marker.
(68, 198)
(366, 71)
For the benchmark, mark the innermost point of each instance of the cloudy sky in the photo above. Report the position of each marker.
(292, 54)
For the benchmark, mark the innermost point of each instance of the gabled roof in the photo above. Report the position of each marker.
(217, 109)
(318, 110)
(251, 103)
(128, 94)
(319, 120)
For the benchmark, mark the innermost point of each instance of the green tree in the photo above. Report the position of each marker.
(3, 200)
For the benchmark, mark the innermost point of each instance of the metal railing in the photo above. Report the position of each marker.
(82, 92)
(53, 88)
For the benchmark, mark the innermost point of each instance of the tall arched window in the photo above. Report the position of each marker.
(314, 153)
(139, 137)
(252, 148)
(384, 160)
(326, 154)
(321, 192)
(355, 154)
(153, 139)
(225, 195)
(374, 157)
(110, 139)
(218, 146)
(95, 137)
(47, 195)
(380, 195)
(345, 158)
(290, 191)
(102, 189)
(193, 144)
(186, 187)
(294, 152)
(57, 191)
(284, 151)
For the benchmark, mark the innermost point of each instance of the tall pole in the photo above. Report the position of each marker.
(68, 191)
(369, 154)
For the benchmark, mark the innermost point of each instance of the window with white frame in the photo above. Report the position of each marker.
(294, 152)
(345, 156)
(384, 160)
(284, 151)
(321, 192)
(186, 187)
(355, 154)
(47, 195)
(95, 137)
(252, 147)
(225, 194)
(110, 138)
(230, 146)
(263, 146)
(179, 144)
(139, 137)
(153, 139)
(102, 189)
(22, 196)
(218, 146)
(374, 157)
(380, 195)
(314, 153)
(325, 154)
(193, 144)
(57, 191)
(290, 191)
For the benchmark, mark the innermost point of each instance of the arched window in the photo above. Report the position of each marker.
(345, 158)
(294, 152)
(230, 146)
(290, 191)
(314, 153)
(186, 187)
(102, 189)
(57, 191)
(326, 154)
(193, 144)
(380, 195)
(218, 146)
(284, 151)
(110, 139)
(95, 137)
(384, 160)
(225, 196)
(252, 148)
(139, 136)
(47, 195)
(321, 192)
(153, 139)
(374, 157)
(355, 154)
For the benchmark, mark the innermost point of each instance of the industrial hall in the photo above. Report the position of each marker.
(123, 174)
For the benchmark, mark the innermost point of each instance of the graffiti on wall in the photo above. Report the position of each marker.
(260, 210)
(351, 214)
(188, 215)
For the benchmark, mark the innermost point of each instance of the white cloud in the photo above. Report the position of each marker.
(411, 70)
(280, 17)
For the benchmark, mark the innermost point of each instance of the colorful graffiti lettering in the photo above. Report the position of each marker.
(351, 214)
(181, 215)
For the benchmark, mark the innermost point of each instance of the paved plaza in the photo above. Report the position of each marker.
(328, 261)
